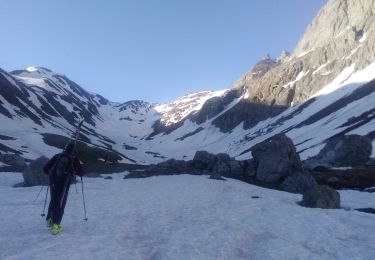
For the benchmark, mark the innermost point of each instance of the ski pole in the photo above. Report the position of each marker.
(83, 197)
(45, 202)
(38, 194)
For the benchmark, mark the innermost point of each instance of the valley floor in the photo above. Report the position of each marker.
(183, 217)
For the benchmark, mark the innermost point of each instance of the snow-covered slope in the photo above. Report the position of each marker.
(183, 217)
(344, 106)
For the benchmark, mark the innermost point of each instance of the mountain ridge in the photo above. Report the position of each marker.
(298, 94)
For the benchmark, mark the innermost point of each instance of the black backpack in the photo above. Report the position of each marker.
(63, 166)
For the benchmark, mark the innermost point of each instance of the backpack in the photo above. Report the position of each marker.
(63, 166)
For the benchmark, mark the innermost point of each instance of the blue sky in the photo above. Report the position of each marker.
(154, 50)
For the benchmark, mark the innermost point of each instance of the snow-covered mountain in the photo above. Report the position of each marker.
(324, 88)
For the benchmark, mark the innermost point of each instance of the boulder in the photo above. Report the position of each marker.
(343, 151)
(228, 167)
(249, 169)
(275, 159)
(236, 169)
(174, 165)
(204, 160)
(298, 182)
(221, 165)
(321, 196)
(33, 174)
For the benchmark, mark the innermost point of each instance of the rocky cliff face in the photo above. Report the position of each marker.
(346, 19)
(342, 34)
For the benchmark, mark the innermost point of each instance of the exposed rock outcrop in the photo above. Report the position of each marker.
(343, 151)
(262, 67)
(337, 19)
(346, 178)
(346, 32)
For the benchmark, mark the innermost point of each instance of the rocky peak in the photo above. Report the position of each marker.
(283, 56)
(33, 72)
(133, 105)
(262, 66)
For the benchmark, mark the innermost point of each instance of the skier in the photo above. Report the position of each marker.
(60, 169)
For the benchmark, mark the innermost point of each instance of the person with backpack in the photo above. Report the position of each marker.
(61, 169)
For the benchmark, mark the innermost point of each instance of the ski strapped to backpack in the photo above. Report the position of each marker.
(68, 179)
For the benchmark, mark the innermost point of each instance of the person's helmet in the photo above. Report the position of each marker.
(69, 148)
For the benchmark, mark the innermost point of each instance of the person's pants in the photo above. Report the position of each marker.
(59, 193)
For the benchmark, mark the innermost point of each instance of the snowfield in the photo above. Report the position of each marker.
(183, 217)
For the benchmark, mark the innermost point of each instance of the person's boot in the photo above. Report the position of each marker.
(49, 223)
(55, 229)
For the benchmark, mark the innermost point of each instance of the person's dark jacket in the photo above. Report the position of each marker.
(77, 167)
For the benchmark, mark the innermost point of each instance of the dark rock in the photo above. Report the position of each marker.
(255, 197)
(321, 196)
(19, 185)
(236, 169)
(14, 160)
(221, 168)
(108, 178)
(204, 160)
(369, 190)
(371, 162)
(321, 168)
(343, 151)
(246, 111)
(367, 210)
(227, 166)
(33, 174)
(173, 164)
(275, 159)
(210, 108)
(298, 182)
(333, 180)
(249, 169)
(351, 178)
